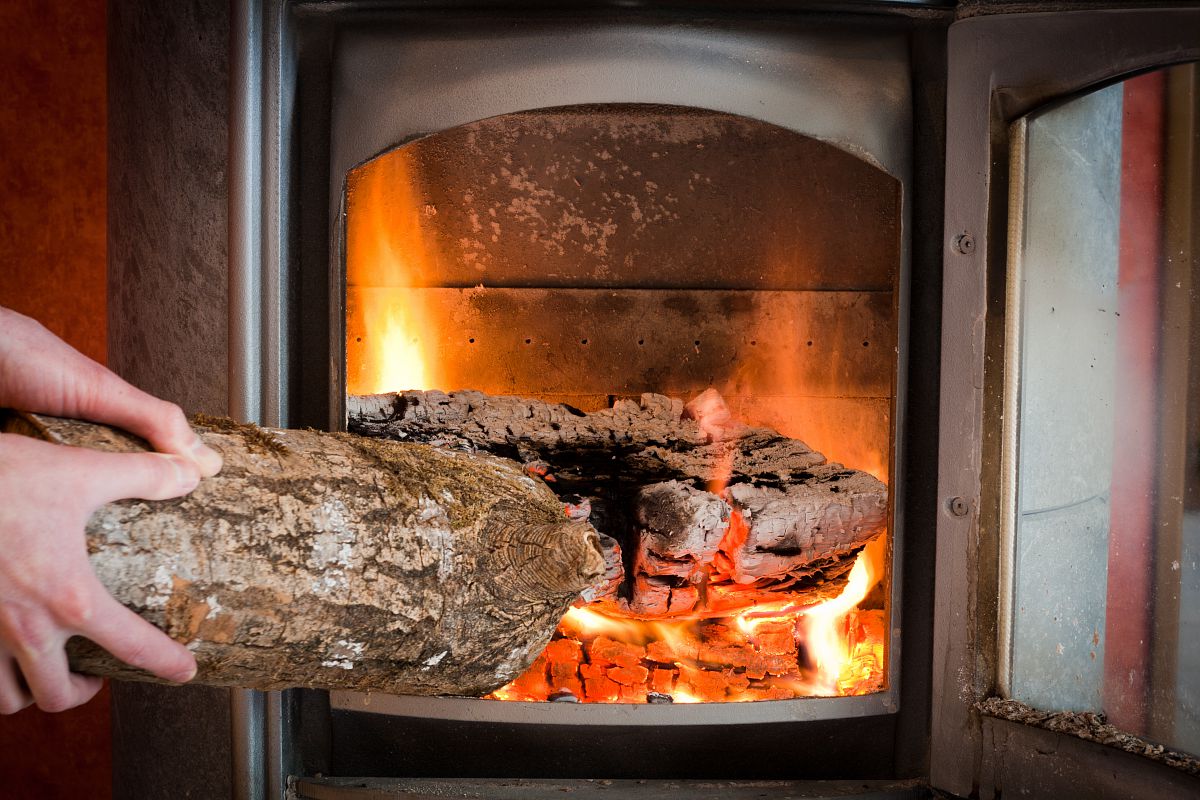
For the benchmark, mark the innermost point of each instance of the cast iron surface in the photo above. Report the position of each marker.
(382, 745)
(467, 709)
(1045, 764)
(594, 343)
(392, 83)
(632, 195)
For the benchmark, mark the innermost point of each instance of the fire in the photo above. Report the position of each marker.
(768, 651)
(401, 361)
(824, 627)
(388, 261)
(763, 651)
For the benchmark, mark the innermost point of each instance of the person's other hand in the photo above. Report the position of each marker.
(48, 591)
(40, 372)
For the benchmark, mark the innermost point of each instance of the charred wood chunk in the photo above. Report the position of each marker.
(832, 510)
(479, 421)
(338, 561)
(680, 528)
(797, 518)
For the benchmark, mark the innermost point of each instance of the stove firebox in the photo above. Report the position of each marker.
(595, 255)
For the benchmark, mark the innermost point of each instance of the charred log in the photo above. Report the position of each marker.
(337, 561)
(708, 501)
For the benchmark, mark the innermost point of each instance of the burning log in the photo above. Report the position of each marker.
(780, 517)
(680, 529)
(337, 561)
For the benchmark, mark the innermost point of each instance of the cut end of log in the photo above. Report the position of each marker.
(539, 562)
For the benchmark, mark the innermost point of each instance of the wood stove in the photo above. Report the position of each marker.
(593, 203)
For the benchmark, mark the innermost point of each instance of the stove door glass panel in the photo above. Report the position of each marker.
(1103, 547)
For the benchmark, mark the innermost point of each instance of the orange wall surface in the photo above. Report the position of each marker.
(52, 267)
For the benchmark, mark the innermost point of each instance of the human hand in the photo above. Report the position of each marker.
(40, 372)
(48, 591)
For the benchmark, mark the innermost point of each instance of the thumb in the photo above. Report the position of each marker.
(147, 476)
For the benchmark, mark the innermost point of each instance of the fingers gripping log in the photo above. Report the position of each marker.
(335, 561)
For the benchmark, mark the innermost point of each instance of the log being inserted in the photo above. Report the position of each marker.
(338, 561)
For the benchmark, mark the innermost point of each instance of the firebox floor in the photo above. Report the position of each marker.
(524, 789)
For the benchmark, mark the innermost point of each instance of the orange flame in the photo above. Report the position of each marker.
(768, 651)
(824, 626)
(387, 261)
(399, 361)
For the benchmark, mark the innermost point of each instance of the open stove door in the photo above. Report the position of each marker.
(1065, 569)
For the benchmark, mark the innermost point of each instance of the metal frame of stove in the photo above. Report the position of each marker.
(371, 99)
(1005, 67)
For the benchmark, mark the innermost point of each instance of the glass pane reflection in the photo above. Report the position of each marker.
(1104, 556)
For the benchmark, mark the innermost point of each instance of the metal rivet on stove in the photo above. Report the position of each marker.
(964, 243)
(958, 506)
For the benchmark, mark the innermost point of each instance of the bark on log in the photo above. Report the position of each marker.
(336, 561)
(804, 517)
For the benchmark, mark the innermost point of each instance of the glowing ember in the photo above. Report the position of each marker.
(765, 652)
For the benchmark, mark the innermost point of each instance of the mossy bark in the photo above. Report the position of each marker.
(337, 561)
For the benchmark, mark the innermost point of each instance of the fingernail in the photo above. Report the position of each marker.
(186, 675)
(206, 458)
(186, 478)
